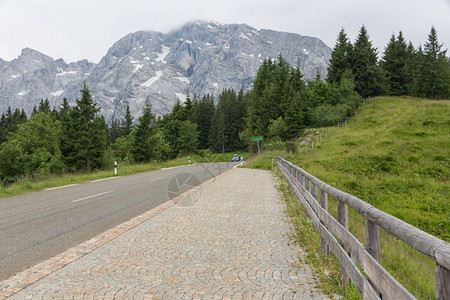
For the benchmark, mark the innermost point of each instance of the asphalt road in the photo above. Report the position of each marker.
(39, 225)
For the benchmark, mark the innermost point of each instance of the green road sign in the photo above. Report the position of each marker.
(257, 138)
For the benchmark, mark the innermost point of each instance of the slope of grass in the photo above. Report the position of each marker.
(395, 155)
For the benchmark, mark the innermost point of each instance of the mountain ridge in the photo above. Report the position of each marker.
(198, 58)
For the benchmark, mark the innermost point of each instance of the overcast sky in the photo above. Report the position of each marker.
(79, 29)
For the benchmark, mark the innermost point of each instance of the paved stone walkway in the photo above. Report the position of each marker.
(227, 239)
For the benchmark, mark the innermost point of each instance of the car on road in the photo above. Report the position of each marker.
(236, 158)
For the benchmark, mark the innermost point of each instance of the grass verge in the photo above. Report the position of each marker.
(326, 267)
(40, 182)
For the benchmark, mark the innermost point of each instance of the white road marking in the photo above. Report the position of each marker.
(157, 178)
(89, 197)
(174, 167)
(238, 165)
(60, 187)
(103, 179)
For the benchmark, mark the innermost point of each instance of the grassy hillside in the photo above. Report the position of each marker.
(395, 155)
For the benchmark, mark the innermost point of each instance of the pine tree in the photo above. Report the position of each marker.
(188, 110)
(44, 106)
(188, 137)
(368, 78)
(10, 122)
(3, 128)
(204, 114)
(177, 111)
(435, 73)
(411, 69)
(228, 122)
(419, 65)
(293, 118)
(114, 131)
(296, 79)
(170, 127)
(84, 135)
(340, 58)
(142, 147)
(127, 124)
(264, 102)
(217, 133)
(395, 65)
(64, 110)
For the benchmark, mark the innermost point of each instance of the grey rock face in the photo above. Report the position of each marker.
(199, 58)
(34, 76)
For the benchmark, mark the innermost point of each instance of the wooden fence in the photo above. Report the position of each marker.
(377, 283)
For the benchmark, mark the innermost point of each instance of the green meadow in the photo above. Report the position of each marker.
(395, 155)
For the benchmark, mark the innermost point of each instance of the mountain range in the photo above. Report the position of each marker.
(198, 58)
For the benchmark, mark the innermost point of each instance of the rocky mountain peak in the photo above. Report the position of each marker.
(198, 58)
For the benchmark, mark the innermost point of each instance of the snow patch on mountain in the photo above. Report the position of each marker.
(137, 67)
(181, 97)
(66, 73)
(57, 93)
(183, 79)
(153, 79)
(243, 36)
(161, 56)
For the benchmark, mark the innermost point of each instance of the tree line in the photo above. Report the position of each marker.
(279, 106)
(402, 70)
(77, 138)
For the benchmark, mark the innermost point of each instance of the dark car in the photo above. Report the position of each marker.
(236, 158)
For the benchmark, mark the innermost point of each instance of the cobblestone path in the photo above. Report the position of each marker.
(227, 239)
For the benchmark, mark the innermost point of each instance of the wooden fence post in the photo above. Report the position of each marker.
(342, 210)
(314, 191)
(373, 240)
(324, 203)
(342, 214)
(442, 283)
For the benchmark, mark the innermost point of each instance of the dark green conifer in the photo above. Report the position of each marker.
(145, 129)
(368, 78)
(204, 114)
(340, 58)
(84, 135)
(395, 65)
(127, 125)
(435, 69)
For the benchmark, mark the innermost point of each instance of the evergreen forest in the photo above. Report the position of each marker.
(280, 105)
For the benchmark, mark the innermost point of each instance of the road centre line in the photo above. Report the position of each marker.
(89, 197)
(103, 179)
(157, 178)
(169, 168)
(60, 187)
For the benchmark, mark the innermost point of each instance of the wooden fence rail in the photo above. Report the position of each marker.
(377, 283)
